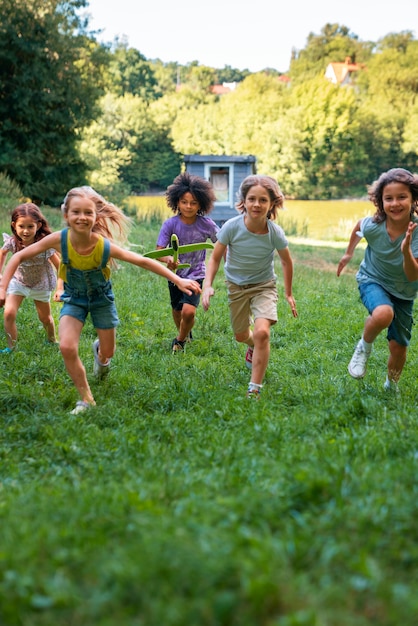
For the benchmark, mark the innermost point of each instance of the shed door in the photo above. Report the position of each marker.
(219, 177)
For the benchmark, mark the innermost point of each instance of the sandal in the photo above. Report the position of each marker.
(6, 350)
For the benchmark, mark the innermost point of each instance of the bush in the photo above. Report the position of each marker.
(10, 195)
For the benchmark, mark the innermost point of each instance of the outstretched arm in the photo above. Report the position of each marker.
(213, 265)
(287, 267)
(184, 284)
(50, 241)
(355, 239)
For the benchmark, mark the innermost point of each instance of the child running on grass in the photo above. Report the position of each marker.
(191, 198)
(86, 248)
(388, 275)
(33, 278)
(249, 241)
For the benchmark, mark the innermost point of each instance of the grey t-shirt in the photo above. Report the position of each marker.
(250, 257)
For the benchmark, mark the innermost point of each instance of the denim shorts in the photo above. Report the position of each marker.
(373, 295)
(178, 297)
(100, 305)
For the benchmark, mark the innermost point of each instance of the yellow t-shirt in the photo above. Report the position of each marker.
(84, 261)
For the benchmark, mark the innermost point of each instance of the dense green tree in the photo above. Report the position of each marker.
(333, 45)
(329, 152)
(127, 148)
(234, 123)
(229, 74)
(130, 72)
(50, 78)
(167, 75)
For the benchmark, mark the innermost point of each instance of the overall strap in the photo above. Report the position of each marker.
(64, 246)
(106, 253)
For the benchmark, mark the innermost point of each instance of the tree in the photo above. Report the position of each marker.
(334, 44)
(128, 148)
(130, 72)
(50, 79)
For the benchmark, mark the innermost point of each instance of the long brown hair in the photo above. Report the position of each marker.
(395, 175)
(28, 209)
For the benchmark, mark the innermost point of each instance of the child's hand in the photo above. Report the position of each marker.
(344, 261)
(57, 295)
(292, 305)
(208, 292)
(408, 236)
(171, 264)
(187, 285)
(2, 297)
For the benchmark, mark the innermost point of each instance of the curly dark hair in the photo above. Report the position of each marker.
(269, 184)
(395, 175)
(28, 209)
(200, 188)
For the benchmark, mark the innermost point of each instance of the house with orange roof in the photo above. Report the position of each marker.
(341, 73)
(220, 90)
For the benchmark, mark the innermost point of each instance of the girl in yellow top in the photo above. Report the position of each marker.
(87, 248)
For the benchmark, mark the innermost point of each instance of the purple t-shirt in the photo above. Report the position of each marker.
(201, 230)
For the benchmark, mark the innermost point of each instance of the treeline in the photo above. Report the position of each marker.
(74, 111)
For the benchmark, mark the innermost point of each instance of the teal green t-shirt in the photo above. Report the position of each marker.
(383, 260)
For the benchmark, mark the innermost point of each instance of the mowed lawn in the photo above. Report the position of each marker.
(179, 502)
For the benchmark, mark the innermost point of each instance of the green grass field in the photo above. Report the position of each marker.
(178, 502)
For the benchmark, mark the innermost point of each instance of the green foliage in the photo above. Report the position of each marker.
(127, 149)
(131, 73)
(177, 501)
(74, 111)
(10, 196)
(49, 82)
(334, 44)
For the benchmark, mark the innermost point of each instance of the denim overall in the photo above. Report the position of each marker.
(88, 291)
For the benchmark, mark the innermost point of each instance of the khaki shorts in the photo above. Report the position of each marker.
(249, 302)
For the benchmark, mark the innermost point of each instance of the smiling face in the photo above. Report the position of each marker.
(26, 229)
(397, 202)
(257, 202)
(81, 214)
(188, 207)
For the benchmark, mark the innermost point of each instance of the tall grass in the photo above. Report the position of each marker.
(179, 502)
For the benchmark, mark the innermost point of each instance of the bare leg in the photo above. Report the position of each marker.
(11, 308)
(107, 344)
(396, 361)
(260, 339)
(380, 319)
(69, 332)
(188, 314)
(261, 355)
(176, 318)
(45, 317)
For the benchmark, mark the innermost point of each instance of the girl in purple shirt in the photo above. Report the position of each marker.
(191, 198)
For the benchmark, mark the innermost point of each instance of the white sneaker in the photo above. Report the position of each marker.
(391, 386)
(80, 407)
(99, 369)
(358, 364)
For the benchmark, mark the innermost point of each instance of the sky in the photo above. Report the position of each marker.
(244, 34)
